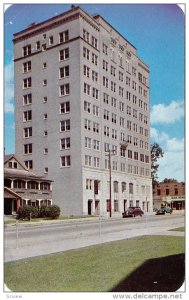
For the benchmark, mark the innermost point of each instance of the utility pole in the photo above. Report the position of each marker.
(110, 153)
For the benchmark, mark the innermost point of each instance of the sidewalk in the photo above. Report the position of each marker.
(71, 220)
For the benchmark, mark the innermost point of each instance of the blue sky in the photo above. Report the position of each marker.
(157, 31)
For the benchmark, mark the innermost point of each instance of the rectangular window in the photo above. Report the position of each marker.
(106, 98)
(27, 83)
(27, 132)
(64, 54)
(106, 131)
(63, 36)
(113, 71)
(106, 114)
(87, 88)
(86, 35)
(122, 122)
(26, 50)
(51, 40)
(95, 93)
(28, 149)
(27, 115)
(88, 184)
(142, 157)
(114, 118)
(44, 47)
(121, 106)
(38, 45)
(86, 71)
(28, 164)
(26, 66)
(94, 42)
(64, 72)
(65, 108)
(114, 134)
(105, 65)
(113, 86)
(27, 99)
(64, 89)
(87, 124)
(96, 162)
(95, 127)
(86, 53)
(105, 49)
(114, 102)
(65, 143)
(129, 153)
(96, 110)
(87, 142)
(105, 81)
(167, 192)
(88, 160)
(96, 145)
(87, 106)
(94, 59)
(116, 208)
(65, 125)
(94, 76)
(66, 161)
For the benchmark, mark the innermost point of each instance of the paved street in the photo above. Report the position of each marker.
(39, 239)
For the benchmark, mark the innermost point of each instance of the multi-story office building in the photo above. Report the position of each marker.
(81, 91)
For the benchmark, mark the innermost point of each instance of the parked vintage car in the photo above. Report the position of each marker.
(164, 210)
(132, 212)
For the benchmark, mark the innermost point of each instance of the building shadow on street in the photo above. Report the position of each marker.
(164, 274)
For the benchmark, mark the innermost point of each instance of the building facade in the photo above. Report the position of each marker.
(169, 194)
(23, 187)
(80, 92)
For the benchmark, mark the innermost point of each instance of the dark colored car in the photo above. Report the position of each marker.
(132, 212)
(164, 210)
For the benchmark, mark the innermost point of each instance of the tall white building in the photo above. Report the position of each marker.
(81, 91)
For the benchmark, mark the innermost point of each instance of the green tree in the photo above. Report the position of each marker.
(156, 154)
(168, 180)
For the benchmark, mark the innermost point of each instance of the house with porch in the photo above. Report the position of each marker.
(23, 187)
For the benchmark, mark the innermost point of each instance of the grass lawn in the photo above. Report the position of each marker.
(182, 229)
(45, 220)
(148, 263)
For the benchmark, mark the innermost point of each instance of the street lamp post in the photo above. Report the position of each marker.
(110, 153)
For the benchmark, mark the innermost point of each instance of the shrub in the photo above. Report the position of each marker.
(42, 211)
(25, 211)
(52, 211)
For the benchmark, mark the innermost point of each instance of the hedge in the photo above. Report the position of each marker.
(25, 211)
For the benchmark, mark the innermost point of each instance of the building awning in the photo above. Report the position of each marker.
(8, 193)
(169, 199)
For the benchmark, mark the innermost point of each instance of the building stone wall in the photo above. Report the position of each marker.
(69, 187)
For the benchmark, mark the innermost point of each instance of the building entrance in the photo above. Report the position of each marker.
(89, 207)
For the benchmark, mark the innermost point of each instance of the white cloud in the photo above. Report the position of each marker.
(167, 114)
(158, 137)
(9, 87)
(171, 165)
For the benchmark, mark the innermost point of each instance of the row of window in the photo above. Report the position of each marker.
(90, 38)
(130, 169)
(63, 37)
(89, 126)
(95, 127)
(21, 184)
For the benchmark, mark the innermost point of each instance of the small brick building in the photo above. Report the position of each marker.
(169, 194)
